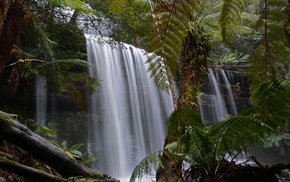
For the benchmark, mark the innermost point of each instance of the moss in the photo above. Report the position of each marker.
(82, 179)
(8, 118)
(8, 156)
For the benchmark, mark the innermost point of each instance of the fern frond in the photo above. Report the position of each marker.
(272, 55)
(117, 6)
(203, 146)
(157, 68)
(66, 62)
(194, 140)
(46, 43)
(271, 101)
(166, 38)
(249, 19)
(210, 20)
(231, 16)
(146, 166)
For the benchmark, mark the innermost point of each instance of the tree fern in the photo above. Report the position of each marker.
(204, 147)
(173, 20)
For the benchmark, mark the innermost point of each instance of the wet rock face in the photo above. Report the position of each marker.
(6, 94)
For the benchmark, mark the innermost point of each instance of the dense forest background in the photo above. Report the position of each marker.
(46, 38)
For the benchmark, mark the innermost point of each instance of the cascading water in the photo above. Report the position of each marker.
(41, 98)
(227, 93)
(216, 102)
(128, 112)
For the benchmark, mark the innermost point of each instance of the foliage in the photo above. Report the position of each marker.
(205, 147)
(63, 76)
(73, 4)
(74, 152)
(166, 40)
(270, 60)
(126, 20)
(149, 163)
(231, 18)
(276, 139)
(192, 65)
(89, 159)
(49, 30)
(271, 102)
(201, 146)
(50, 44)
(35, 38)
(67, 47)
(45, 131)
(172, 22)
(232, 58)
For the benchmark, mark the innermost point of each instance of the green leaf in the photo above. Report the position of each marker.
(146, 165)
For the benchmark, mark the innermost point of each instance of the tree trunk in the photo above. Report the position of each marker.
(11, 16)
(27, 171)
(193, 60)
(39, 147)
(4, 6)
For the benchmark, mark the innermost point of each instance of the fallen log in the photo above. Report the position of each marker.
(27, 171)
(42, 149)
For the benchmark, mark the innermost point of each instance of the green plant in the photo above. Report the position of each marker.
(45, 131)
(174, 19)
(149, 163)
(63, 76)
(200, 146)
(89, 159)
(275, 139)
(73, 151)
(232, 58)
(181, 45)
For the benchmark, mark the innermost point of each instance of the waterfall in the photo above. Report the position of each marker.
(216, 102)
(127, 112)
(41, 100)
(228, 94)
